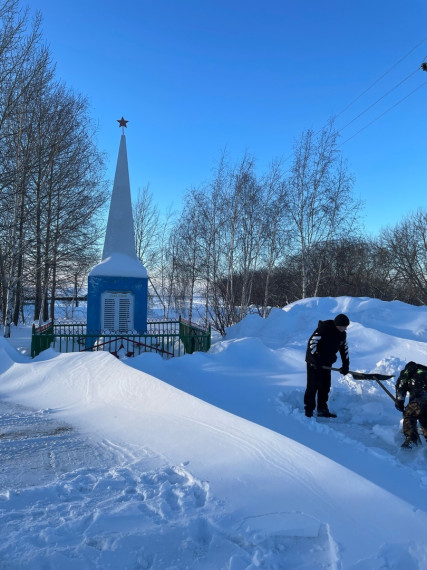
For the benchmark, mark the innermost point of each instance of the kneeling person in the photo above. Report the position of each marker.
(412, 380)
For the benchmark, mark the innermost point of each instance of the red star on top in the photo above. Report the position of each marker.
(122, 122)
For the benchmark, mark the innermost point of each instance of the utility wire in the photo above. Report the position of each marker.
(382, 114)
(381, 77)
(378, 100)
(422, 66)
(383, 96)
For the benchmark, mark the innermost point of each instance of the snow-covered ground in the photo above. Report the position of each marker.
(207, 461)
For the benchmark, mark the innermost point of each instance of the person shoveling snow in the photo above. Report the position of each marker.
(412, 379)
(329, 337)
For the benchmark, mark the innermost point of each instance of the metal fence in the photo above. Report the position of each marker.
(168, 338)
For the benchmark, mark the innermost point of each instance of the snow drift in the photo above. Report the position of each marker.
(207, 461)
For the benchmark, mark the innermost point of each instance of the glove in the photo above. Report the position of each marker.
(400, 405)
(344, 370)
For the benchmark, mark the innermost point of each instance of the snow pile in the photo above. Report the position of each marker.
(207, 461)
(119, 264)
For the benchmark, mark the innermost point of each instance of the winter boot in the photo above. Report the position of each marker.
(325, 414)
(411, 441)
(308, 413)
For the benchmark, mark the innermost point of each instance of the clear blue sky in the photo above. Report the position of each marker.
(196, 76)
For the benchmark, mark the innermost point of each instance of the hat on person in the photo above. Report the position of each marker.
(341, 320)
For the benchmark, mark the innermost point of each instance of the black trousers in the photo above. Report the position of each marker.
(318, 383)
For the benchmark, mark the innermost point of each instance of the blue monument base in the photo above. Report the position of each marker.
(116, 305)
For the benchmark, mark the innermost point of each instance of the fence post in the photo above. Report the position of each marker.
(33, 341)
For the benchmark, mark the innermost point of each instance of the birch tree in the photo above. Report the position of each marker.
(51, 173)
(407, 244)
(146, 219)
(22, 63)
(320, 203)
(275, 227)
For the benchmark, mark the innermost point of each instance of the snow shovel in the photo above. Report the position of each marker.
(368, 376)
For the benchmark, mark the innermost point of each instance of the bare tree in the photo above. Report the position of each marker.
(51, 173)
(319, 199)
(162, 276)
(22, 65)
(407, 244)
(239, 239)
(147, 229)
(275, 227)
(226, 232)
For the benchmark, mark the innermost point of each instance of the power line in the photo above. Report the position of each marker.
(386, 111)
(423, 66)
(381, 76)
(380, 99)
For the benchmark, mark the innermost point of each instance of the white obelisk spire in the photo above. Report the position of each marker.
(120, 235)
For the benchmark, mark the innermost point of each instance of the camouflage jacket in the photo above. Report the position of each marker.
(412, 379)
